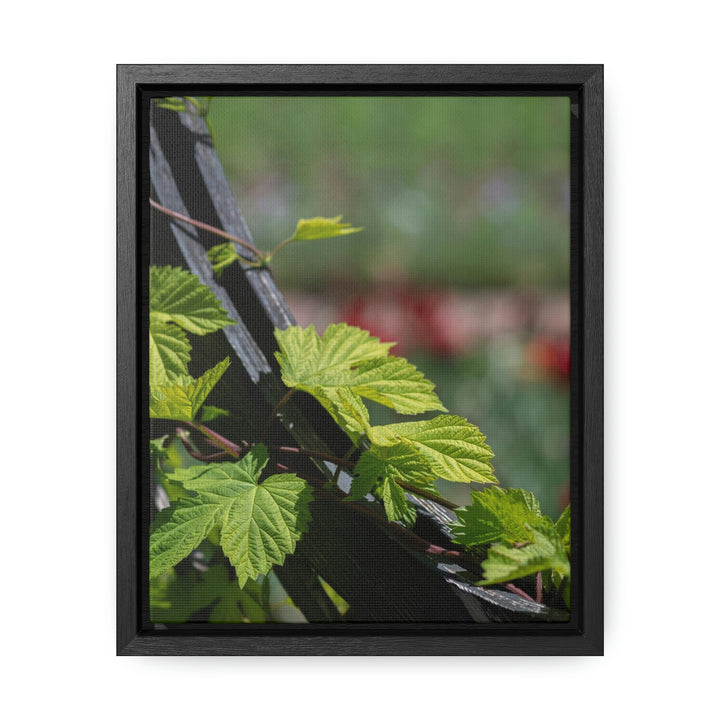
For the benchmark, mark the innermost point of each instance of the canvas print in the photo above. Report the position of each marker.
(358, 360)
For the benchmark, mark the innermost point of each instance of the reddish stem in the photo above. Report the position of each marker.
(205, 226)
(518, 591)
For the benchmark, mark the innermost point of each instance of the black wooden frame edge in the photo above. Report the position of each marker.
(588, 81)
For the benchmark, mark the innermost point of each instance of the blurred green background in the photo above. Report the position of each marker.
(465, 254)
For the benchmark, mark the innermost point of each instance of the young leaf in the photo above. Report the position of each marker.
(169, 353)
(505, 563)
(562, 526)
(347, 410)
(399, 462)
(182, 400)
(178, 296)
(178, 530)
(319, 228)
(393, 497)
(222, 256)
(497, 514)
(453, 448)
(347, 364)
(305, 358)
(210, 413)
(260, 523)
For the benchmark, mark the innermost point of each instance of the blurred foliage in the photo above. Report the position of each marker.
(460, 191)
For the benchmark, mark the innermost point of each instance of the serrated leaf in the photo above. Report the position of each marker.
(305, 358)
(453, 448)
(210, 413)
(497, 514)
(398, 461)
(182, 400)
(320, 228)
(346, 409)
(562, 526)
(178, 530)
(222, 256)
(391, 381)
(394, 500)
(178, 296)
(260, 523)
(506, 563)
(347, 364)
(169, 352)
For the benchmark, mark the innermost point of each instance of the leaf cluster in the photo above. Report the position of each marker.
(180, 304)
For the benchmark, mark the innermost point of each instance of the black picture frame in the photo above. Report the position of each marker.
(584, 635)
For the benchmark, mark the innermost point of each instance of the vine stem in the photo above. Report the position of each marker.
(313, 453)
(419, 543)
(280, 247)
(274, 413)
(205, 226)
(218, 440)
(420, 492)
(518, 591)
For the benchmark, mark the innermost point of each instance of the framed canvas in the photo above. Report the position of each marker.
(388, 438)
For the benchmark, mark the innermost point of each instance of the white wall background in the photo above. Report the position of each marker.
(58, 165)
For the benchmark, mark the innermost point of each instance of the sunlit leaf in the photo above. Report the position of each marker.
(182, 400)
(260, 522)
(178, 296)
(320, 228)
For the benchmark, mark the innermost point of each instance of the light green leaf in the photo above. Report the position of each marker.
(169, 353)
(210, 413)
(453, 448)
(319, 228)
(178, 530)
(347, 364)
(393, 497)
(305, 358)
(178, 296)
(182, 400)
(390, 381)
(260, 523)
(562, 526)
(497, 514)
(222, 256)
(346, 409)
(505, 562)
(398, 462)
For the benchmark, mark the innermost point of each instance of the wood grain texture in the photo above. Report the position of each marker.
(581, 637)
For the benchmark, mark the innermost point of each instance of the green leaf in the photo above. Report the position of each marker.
(319, 228)
(346, 409)
(505, 563)
(393, 497)
(178, 530)
(453, 448)
(347, 364)
(182, 400)
(260, 523)
(562, 526)
(178, 296)
(210, 413)
(169, 352)
(222, 256)
(496, 514)
(171, 103)
(306, 358)
(398, 462)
